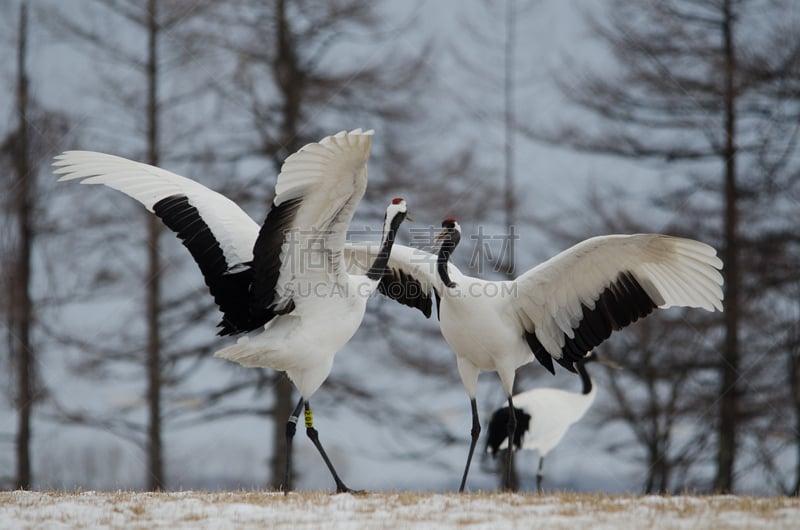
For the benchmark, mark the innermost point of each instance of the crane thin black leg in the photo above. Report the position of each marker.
(512, 428)
(539, 475)
(291, 428)
(475, 433)
(314, 436)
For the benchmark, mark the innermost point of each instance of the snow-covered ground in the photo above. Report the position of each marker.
(255, 509)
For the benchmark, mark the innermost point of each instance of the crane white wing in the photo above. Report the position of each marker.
(410, 279)
(219, 235)
(232, 228)
(571, 303)
(316, 195)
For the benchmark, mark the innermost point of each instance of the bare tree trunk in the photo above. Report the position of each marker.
(652, 474)
(794, 385)
(155, 465)
(289, 79)
(283, 406)
(663, 464)
(22, 300)
(501, 457)
(793, 369)
(652, 417)
(728, 410)
(508, 118)
(507, 263)
(509, 200)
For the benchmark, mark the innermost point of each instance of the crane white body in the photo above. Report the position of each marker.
(304, 345)
(473, 318)
(553, 411)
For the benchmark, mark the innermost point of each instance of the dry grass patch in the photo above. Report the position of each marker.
(259, 509)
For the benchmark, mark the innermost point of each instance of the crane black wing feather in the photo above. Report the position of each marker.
(404, 288)
(408, 278)
(267, 260)
(571, 303)
(230, 289)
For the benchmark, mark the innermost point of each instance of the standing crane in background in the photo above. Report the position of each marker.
(544, 415)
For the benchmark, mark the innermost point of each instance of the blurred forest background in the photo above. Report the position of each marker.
(559, 120)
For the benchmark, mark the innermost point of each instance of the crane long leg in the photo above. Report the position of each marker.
(475, 432)
(512, 427)
(314, 436)
(539, 475)
(291, 428)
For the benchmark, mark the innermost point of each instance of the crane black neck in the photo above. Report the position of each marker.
(380, 266)
(442, 260)
(587, 381)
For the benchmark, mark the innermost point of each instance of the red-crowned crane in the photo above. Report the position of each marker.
(284, 287)
(544, 415)
(560, 309)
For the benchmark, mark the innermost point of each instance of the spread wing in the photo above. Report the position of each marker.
(412, 273)
(219, 235)
(571, 303)
(301, 241)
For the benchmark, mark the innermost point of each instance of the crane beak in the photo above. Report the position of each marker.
(409, 218)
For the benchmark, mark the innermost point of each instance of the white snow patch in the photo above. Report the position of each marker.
(255, 509)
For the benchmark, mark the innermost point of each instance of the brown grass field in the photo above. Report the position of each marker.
(262, 509)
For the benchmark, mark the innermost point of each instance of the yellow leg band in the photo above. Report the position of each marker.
(309, 419)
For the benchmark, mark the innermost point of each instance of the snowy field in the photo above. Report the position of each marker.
(256, 509)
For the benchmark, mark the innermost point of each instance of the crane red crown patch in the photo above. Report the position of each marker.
(397, 200)
(449, 220)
